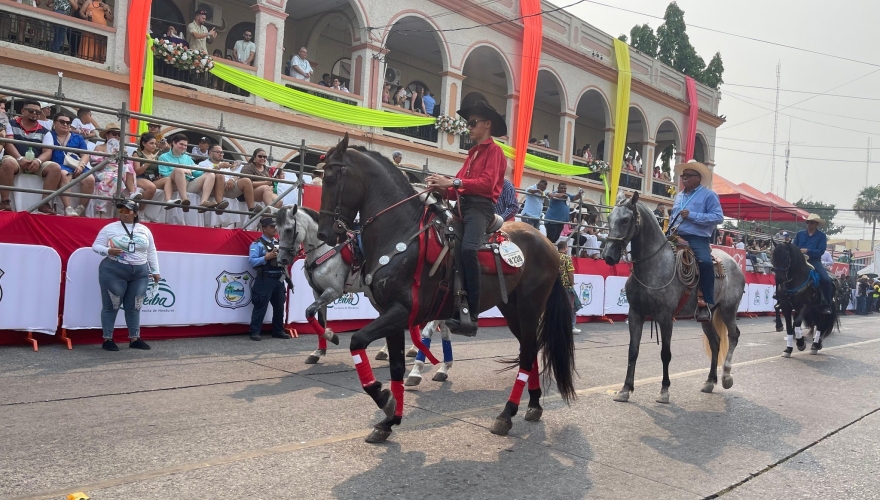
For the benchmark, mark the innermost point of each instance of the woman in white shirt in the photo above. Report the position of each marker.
(124, 274)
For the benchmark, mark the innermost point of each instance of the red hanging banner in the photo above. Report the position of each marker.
(531, 59)
(693, 113)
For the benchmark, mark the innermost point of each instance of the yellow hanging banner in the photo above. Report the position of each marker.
(147, 95)
(621, 116)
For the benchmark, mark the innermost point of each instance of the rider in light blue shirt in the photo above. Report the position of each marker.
(698, 210)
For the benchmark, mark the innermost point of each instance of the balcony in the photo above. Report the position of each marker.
(593, 176)
(425, 133)
(662, 189)
(631, 180)
(28, 26)
(204, 80)
(540, 152)
(321, 91)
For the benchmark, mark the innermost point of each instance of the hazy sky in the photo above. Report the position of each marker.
(844, 28)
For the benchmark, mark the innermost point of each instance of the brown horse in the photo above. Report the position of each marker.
(358, 181)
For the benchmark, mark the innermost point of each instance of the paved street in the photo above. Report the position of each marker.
(229, 418)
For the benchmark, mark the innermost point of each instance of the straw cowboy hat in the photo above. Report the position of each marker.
(703, 170)
(816, 218)
(482, 108)
(319, 169)
(111, 127)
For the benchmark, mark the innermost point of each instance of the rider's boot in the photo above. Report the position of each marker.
(704, 313)
(465, 310)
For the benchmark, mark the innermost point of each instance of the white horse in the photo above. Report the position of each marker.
(330, 277)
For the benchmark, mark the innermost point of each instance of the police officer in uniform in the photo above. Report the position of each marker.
(269, 285)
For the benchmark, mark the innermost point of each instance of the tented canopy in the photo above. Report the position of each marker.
(743, 202)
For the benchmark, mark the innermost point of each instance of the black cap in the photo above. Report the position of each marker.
(202, 13)
(267, 221)
(129, 204)
(204, 139)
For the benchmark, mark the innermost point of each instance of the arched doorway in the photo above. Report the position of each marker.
(235, 34)
(632, 172)
(668, 142)
(701, 150)
(549, 103)
(416, 57)
(164, 13)
(593, 119)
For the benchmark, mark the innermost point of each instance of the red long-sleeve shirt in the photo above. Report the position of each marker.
(482, 173)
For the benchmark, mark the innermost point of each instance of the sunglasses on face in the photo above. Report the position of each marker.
(262, 157)
(63, 122)
(30, 110)
(473, 123)
(688, 176)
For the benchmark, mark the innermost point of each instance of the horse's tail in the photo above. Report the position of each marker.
(556, 341)
(720, 328)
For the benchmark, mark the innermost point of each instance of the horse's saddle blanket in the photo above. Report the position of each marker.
(495, 242)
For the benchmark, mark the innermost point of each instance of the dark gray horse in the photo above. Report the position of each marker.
(654, 289)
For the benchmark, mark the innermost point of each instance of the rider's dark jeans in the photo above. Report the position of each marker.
(824, 280)
(700, 246)
(476, 213)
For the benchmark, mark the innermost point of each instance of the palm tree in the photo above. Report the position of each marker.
(867, 207)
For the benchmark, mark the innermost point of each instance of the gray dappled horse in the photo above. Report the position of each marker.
(654, 289)
(795, 291)
(298, 229)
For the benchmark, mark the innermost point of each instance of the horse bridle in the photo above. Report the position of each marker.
(633, 230)
(340, 225)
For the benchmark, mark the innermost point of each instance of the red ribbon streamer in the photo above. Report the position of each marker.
(529, 62)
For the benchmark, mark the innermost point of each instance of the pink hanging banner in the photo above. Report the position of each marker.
(691, 138)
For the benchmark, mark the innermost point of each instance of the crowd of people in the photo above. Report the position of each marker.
(38, 126)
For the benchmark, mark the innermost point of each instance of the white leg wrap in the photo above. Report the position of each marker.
(417, 368)
(444, 368)
(328, 334)
(818, 336)
(384, 349)
(798, 333)
(789, 341)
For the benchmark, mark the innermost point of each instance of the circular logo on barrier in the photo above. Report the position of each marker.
(233, 289)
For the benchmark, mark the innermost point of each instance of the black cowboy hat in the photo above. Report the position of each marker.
(482, 108)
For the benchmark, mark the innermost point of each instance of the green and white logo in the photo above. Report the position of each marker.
(233, 289)
(159, 296)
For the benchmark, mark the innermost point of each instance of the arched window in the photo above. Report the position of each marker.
(236, 33)
(163, 13)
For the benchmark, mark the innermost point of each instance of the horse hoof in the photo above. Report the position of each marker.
(501, 426)
(378, 436)
(440, 377)
(413, 380)
(381, 356)
(801, 344)
(334, 339)
(663, 397)
(779, 328)
(534, 414)
(726, 381)
(787, 352)
(622, 396)
(708, 387)
(312, 359)
(411, 353)
(390, 405)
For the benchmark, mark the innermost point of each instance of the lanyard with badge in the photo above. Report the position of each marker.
(682, 203)
(131, 245)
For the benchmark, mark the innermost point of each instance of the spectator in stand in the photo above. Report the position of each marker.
(172, 35)
(507, 205)
(657, 172)
(533, 141)
(184, 179)
(300, 68)
(46, 114)
(106, 179)
(97, 12)
(64, 8)
(386, 93)
(318, 175)
(338, 85)
(400, 97)
(154, 128)
(728, 240)
(200, 152)
(629, 165)
(130, 261)
(240, 188)
(589, 237)
(72, 164)
(740, 244)
(566, 274)
(85, 125)
(545, 142)
(326, 81)
(15, 161)
(429, 103)
(637, 163)
(397, 157)
(534, 204)
(198, 35)
(4, 118)
(263, 190)
(147, 174)
(557, 214)
(416, 104)
(587, 154)
(245, 49)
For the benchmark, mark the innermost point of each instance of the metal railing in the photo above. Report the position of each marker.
(543, 153)
(661, 188)
(205, 80)
(632, 181)
(291, 83)
(51, 36)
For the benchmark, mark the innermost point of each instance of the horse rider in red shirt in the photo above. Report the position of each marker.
(477, 187)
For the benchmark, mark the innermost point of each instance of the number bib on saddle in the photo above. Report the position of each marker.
(511, 254)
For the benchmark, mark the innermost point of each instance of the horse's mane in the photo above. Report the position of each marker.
(310, 212)
(398, 178)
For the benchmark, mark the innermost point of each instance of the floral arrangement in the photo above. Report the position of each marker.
(451, 124)
(599, 166)
(181, 57)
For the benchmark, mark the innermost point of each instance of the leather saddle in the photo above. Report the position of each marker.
(689, 271)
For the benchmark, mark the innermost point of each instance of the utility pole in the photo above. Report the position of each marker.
(787, 153)
(775, 125)
(867, 166)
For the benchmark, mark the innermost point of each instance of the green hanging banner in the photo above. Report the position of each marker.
(545, 165)
(316, 106)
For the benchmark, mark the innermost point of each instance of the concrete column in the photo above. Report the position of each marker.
(648, 165)
(449, 101)
(510, 111)
(269, 34)
(117, 60)
(566, 136)
(368, 72)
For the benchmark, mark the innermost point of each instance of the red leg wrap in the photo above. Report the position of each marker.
(534, 378)
(362, 364)
(322, 342)
(397, 392)
(317, 326)
(522, 377)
